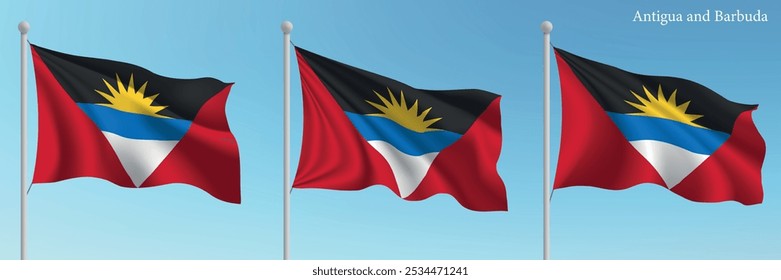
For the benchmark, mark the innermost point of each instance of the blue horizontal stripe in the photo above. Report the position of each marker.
(405, 140)
(694, 139)
(135, 126)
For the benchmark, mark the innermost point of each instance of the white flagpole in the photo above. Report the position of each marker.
(23, 28)
(547, 27)
(286, 28)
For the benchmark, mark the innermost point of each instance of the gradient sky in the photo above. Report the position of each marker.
(490, 45)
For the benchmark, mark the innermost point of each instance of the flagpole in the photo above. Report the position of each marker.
(24, 27)
(286, 28)
(546, 27)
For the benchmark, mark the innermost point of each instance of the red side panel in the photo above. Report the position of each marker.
(207, 157)
(69, 144)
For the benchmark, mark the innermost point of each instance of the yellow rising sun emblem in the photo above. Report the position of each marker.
(399, 112)
(131, 100)
(661, 107)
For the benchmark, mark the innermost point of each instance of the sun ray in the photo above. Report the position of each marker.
(113, 91)
(142, 89)
(403, 102)
(414, 108)
(394, 103)
(398, 111)
(661, 107)
(672, 100)
(121, 87)
(131, 87)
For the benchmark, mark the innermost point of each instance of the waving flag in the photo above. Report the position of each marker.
(362, 129)
(125, 124)
(620, 129)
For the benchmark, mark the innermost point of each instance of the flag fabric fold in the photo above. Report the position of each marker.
(621, 129)
(363, 129)
(122, 123)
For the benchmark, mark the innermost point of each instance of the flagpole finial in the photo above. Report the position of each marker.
(24, 27)
(287, 27)
(546, 27)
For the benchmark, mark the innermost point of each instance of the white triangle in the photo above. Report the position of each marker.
(408, 170)
(672, 162)
(139, 157)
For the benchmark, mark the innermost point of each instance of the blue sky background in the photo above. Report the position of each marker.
(491, 45)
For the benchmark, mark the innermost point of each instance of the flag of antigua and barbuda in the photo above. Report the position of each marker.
(125, 124)
(620, 129)
(363, 129)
